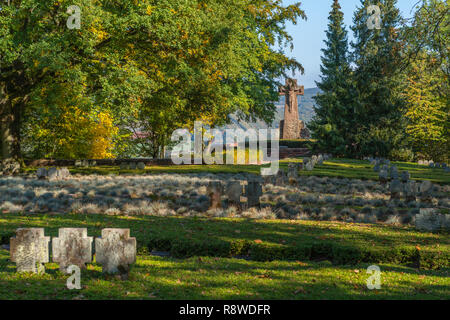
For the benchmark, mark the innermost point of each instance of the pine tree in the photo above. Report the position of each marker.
(332, 124)
(377, 56)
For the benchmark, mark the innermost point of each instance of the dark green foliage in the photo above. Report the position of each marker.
(333, 123)
(377, 55)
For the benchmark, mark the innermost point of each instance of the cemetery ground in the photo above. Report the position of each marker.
(199, 269)
(339, 168)
(262, 254)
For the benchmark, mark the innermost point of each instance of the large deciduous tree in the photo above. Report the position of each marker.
(168, 60)
(427, 89)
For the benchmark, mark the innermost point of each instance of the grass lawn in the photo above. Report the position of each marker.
(223, 278)
(153, 229)
(342, 168)
(259, 240)
(287, 259)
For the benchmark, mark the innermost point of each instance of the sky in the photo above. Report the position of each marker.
(309, 35)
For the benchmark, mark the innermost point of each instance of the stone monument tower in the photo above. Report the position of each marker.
(291, 127)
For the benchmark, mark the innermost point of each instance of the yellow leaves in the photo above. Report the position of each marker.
(149, 10)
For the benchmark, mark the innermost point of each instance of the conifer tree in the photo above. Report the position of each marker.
(332, 124)
(377, 56)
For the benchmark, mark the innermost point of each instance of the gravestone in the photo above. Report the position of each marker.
(78, 163)
(141, 165)
(124, 166)
(116, 251)
(410, 191)
(72, 247)
(293, 169)
(29, 250)
(41, 173)
(235, 192)
(215, 190)
(132, 165)
(383, 176)
(320, 159)
(291, 127)
(395, 188)
(54, 174)
(253, 191)
(393, 173)
(309, 166)
(425, 191)
(280, 178)
(405, 176)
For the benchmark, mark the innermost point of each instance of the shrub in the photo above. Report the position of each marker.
(402, 154)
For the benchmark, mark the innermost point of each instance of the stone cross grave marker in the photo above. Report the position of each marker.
(115, 251)
(291, 126)
(72, 247)
(29, 250)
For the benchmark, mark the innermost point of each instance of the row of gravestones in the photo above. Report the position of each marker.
(386, 173)
(411, 190)
(132, 165)
(85, 163)
(401, 184)
(115, 250)
(53, 173)
(432, 220)
(240, 193)
(431, 164)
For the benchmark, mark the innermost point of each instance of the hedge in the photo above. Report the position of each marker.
(338, 254)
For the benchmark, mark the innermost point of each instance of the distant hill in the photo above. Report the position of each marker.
(306, 113)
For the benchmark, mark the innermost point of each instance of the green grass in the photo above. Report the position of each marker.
(261, 240)
(223, 278)
(341, 168)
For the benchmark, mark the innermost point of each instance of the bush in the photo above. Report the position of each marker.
(402, 154)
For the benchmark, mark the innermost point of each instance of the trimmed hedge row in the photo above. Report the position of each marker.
(336, 253)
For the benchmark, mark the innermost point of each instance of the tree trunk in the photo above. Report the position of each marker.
(10, 119)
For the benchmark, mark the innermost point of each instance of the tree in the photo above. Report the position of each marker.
(427, 91)
(204, 57)
(377, 56)
(332, 124)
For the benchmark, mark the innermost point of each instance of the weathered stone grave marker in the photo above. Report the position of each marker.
(29, 250)
(72, 247)
(253, 191)
(116, 251)
(293, 169)
(215, 190)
